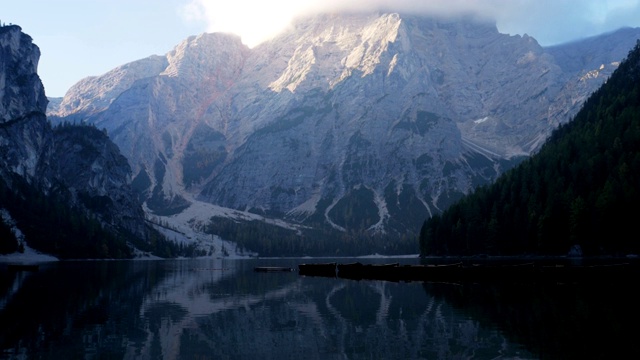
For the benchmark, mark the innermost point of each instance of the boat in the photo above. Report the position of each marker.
(272, 269)
(23, 267)
(318, 269)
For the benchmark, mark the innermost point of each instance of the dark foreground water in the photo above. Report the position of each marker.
(196, 309)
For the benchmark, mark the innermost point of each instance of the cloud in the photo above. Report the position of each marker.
(254, 21)
(549, 21)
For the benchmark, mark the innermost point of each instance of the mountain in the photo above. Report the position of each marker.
(595, 52)
(578, 193)
(64, 190)
(22, 104)
(360, 123)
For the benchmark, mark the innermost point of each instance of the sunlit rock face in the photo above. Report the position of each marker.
(79, 161)
(358, 121)
(95, 94)
(155, 109)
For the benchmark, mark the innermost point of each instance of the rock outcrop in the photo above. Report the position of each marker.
(24, 138)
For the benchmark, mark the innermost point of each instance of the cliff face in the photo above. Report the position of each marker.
(390, 115)
(24, 137)
(88, 163)
(78, 159)
(21, 91)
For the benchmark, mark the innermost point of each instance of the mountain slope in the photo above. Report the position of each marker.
(580, 189)
(65, 191)
(359, 122)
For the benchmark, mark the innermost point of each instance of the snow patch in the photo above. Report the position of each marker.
(383, 213)
(478, 148)
(189, 227)
(328, 218)
(28, 256)
(306, 208)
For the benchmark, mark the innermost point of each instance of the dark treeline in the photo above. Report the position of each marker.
(319, 240)
(582, 188)
(52, 226)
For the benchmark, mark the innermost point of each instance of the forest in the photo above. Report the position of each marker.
(51, 223)
(581, 188)
(310, 240)
(51, 226)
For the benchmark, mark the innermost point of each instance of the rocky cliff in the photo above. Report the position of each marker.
(23, 104)
(89, 164)
(78, 166)
(362, 122)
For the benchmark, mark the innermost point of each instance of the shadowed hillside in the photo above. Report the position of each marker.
(581, 188)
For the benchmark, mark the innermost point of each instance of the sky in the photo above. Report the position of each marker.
(80, 38)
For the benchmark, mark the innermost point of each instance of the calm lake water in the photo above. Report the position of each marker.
(214, 309)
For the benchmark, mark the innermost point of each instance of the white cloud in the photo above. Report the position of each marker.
(549, 21)
(254, 21)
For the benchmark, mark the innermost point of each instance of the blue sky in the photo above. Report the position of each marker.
(80, 38)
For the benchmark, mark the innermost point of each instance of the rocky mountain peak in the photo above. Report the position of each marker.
(22, 104)
(94, 94)
(21, 91)
(397, 115)
(197, 55)
(330, 48)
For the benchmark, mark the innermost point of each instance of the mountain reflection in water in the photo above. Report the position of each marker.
(223, 309)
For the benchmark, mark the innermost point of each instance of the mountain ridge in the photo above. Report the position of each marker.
(404, 114)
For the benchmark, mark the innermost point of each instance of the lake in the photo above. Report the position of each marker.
(222, 309)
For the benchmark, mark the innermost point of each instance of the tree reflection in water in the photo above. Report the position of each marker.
(214, 309)
(555, 320)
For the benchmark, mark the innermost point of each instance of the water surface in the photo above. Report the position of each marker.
(215, 309)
